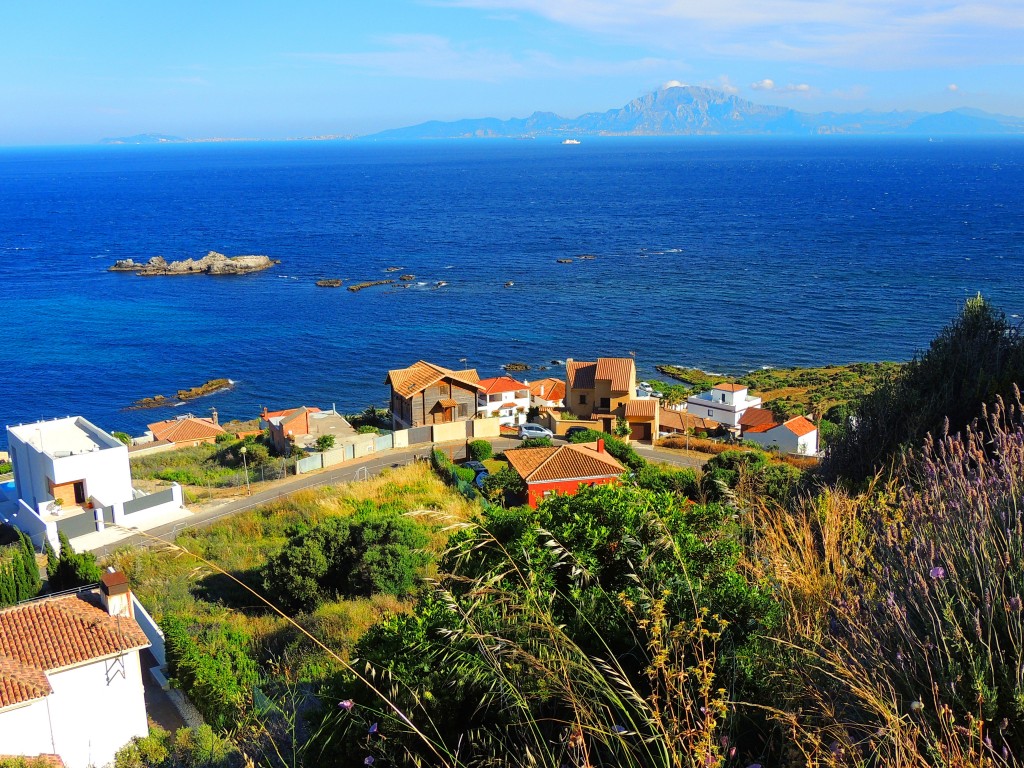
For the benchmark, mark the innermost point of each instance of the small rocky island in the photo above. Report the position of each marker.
(183, 395)
(212, 263)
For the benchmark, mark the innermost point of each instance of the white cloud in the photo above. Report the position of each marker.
(725, 85)
(673, 84)
(953, 87)
(763, 85)
(880, 34)
(431, 57)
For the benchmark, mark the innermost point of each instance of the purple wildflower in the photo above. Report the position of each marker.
(373, 729)
(618, 729)
(938, 572)
(368, 760)
(1016, 604)
(347, 705)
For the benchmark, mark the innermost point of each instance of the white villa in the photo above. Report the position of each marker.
(70, 474)
(724, 403)
(70, 675)
(505, 398)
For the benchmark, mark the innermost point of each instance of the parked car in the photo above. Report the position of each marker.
(572, 431)
(482, 473)
(527, 431)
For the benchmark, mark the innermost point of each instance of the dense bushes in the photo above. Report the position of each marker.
(975, 358)
(70, 569)
(621, 450)
(19, 573)
(211, 664)
(185, 748)
(376, 550)
(577, 612)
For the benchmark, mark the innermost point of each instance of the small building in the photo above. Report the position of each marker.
(187, 430)
(303, 425)
(796, 435)
(563, 469)
(724, 403)
(68, 463)
(601, 390)
(547, 393)
(70, 675)
(505, 398)
(673, 422)
(425, 393)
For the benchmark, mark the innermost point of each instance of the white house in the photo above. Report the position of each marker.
(796, 435)
(724, 403)
(70, 675)
(547, 393)
(505, 398)
(69, 474)
(70, 460)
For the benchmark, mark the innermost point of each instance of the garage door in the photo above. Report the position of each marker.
(640, 431)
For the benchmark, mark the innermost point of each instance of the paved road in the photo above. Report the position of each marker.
(369, 467)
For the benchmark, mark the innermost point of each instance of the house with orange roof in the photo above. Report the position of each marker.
(725, 403)
(505, 398)
(425, 393)
(795, 435)
(563, 469)
(547, 393)
(187, 430)
(605, 390)
(681, 422)
(71, 676)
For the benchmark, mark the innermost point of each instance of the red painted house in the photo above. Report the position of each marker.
(564, 469)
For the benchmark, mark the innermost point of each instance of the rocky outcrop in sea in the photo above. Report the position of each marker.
(212, 263)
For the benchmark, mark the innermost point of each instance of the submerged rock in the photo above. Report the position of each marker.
(329, 283)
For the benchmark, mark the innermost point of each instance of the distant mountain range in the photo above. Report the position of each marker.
(694, 111)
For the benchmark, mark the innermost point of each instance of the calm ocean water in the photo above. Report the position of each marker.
(723, 254)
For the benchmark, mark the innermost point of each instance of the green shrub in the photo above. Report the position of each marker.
(374, 551)
(480, 450)
(660, 479)
(623, 452)
(536, 442)
(5, 467)
(368, 429)
(122, 437)
(72, 569)
(505, 487)
(324, 443)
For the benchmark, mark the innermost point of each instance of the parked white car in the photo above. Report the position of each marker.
(534, 430)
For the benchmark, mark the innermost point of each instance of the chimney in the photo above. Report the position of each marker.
(213, 416)
(600, 445)
(116, 593)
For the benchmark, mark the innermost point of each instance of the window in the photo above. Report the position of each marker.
(606, 402)
(583, 399)
(463, 410)
(710, 412)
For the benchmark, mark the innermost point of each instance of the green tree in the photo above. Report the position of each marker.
(73, 569)
(480, 450)
(123, 437)
(622, 428)
(324, 443)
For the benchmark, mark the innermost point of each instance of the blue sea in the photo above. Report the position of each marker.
(718, 253)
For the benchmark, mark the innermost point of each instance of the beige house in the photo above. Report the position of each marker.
(605, 390)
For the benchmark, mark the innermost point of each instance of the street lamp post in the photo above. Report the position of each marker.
(248, 490)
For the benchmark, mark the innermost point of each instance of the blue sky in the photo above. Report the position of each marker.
(74, 72)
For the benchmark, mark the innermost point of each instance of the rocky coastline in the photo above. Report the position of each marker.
(212, 263)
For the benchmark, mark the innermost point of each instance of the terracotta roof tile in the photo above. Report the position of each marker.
(729, 387)
(800, 426)
(682, 421)
(448, 403)
(553, 389)
(566, 462)
(54, 633)
(753, 417)
(421, 374)
(288, 411)
(500, 384)
(644, 408)
(580, 375)
(620, 371)
(185, 429)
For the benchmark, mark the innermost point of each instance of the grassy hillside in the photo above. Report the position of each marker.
(796, 390)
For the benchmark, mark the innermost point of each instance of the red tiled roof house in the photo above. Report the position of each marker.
(796, 435)
(187, 430)
(605, 390)
(564, 469)
(505, 398)
(70, 675)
